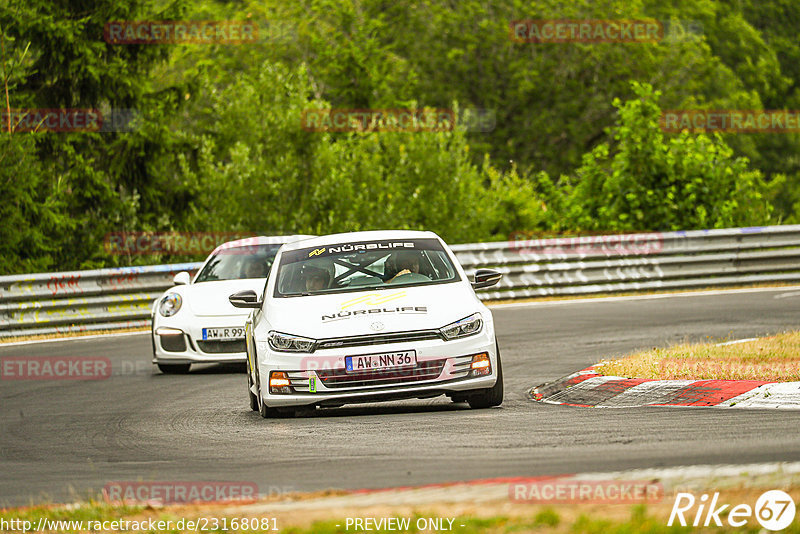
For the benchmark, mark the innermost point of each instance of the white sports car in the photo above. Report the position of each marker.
(193, 322)
(365, 317)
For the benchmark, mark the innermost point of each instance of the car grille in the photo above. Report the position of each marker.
(340, 379)
(378, 339)
(219, 347)
(173, 343)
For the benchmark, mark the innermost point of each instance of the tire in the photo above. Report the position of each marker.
(174, 368)
(153, 335)
(250, 394)
(269, 413)
(265, 411)
(488, 398)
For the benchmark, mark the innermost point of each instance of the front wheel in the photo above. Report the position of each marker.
(253, 397)
(265, 411)
(487, 398)
(174, 368)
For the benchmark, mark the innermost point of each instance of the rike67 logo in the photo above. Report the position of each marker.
(774, 510)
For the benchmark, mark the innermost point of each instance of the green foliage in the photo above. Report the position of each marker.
(31, 211)
(219, 146)
(284, 179)
(652, 182)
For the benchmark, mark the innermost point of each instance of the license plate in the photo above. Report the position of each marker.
(385, 360)
(221, 334)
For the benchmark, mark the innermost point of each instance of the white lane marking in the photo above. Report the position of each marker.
(736, 341)
(76, 338)
(641, 297)
(699, 471)
(787, 295)
(684, 478)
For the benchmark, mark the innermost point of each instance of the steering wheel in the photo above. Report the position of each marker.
(409, 277)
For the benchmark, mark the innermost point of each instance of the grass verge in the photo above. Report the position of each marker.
(499, 517)
(769, 359)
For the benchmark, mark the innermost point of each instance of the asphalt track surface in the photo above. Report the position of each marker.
(62, 440)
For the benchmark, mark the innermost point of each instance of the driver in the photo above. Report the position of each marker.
(407, 262)
(254, 268)
(314, 278)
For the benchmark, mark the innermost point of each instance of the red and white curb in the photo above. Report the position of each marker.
(589, 389)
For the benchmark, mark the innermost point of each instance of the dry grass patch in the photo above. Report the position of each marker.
(770, 359)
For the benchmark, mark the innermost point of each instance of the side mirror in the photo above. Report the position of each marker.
(245, 299)
(486, 278)
(181, 279)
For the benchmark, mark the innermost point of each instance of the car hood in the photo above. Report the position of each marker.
(370, 312)
(211, 298)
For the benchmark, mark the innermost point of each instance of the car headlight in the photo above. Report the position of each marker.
(467, 326)
(170, 304)
(288, 343)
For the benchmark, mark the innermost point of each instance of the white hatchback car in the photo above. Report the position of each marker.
(369, 316)
(194, 322)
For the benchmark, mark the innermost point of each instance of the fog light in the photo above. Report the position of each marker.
(481, 365)
(279, 383)
(164, 331)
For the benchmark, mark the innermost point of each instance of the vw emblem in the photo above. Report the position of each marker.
(377, 326)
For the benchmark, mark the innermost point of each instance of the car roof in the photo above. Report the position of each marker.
(262, 240)
(357, 237)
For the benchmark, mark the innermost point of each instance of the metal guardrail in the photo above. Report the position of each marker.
(107, 299)
(102, 299)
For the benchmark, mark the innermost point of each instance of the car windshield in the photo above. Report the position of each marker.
(236, 263)
(360, 266)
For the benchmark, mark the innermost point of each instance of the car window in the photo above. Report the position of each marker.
(364, 265)
(237, 263)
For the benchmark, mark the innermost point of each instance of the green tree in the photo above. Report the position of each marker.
(285, 179)
(651, 182)
(99, 182)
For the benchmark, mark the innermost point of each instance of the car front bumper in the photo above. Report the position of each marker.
(320, 379)
(189, 346)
